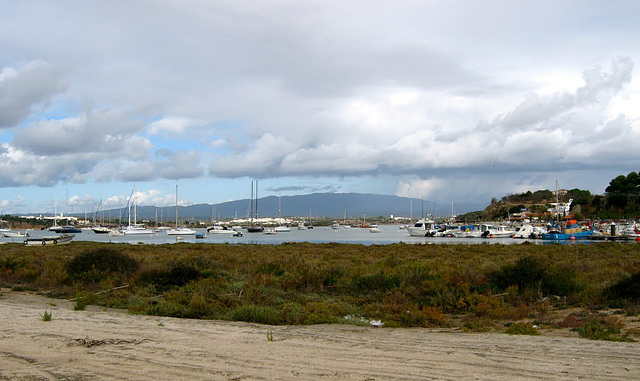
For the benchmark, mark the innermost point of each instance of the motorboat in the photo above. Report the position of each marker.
(219, 229)
(282, 229)
(529, 231)
(15, 234)
(100, 229)
(63, 239)
(424, 227)
(491, 231)
(181, 231)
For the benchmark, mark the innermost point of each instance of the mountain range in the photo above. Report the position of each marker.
(330, 205)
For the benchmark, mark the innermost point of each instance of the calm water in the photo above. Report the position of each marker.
(388, 234)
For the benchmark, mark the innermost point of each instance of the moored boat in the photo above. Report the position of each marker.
(181, 231)
(570, 232)
(63, 239)
(424, 227)
(15, 234)
(100, 229)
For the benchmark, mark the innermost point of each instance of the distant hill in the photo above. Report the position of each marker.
(330, 205)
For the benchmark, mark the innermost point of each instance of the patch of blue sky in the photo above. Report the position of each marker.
(58, 109)
(175, 144)
(6, 136)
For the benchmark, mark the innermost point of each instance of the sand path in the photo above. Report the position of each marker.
(173, 349)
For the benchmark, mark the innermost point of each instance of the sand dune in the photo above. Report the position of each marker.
(157, 348)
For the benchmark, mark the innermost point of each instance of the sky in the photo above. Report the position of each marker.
(455, 101)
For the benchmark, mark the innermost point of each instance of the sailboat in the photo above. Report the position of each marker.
(134, 229)
(344, 221)
(55, 227)
(99, 228)
(179, 230)
(282, 228)
(254, 227)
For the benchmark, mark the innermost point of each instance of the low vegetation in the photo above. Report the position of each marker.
(478, 287)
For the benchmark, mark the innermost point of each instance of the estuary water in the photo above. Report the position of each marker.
(388, 234)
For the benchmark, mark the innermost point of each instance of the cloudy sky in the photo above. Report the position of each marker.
(448, 100)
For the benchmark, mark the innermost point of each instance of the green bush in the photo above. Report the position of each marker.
(595, 329)
(626, 290)
(166, 279)
(95, 265)
(81, 303)
(530, 274)
(257, 314)
(377, 282)
(522, 329)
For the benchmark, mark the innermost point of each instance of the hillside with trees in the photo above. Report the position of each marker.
(621, 200)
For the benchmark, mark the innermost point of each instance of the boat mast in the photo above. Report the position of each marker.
(251, 205)
(344, 222)
(176, 206)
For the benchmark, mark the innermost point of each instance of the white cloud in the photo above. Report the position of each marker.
(417, 188)
(22, 90)
(326, 90)
(174, 125)
(110, 133)
(10, 206)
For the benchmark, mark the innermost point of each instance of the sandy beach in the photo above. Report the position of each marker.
(129, 347)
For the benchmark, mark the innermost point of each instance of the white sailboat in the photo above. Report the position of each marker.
(55, 227)
(179, 230)
(282, 228)
(134, 229)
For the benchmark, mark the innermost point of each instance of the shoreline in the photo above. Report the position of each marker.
(173, 348)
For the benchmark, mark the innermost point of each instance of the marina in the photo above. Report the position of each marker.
(383, 235)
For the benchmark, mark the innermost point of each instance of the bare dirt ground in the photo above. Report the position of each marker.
(132, 347)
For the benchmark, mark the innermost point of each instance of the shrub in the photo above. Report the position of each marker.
(526, 273)
(166, 279)
(95, 265)
(570, 321)
(377, 282)
(81, 303)
(626, 290)
(256, 314)
(596, 329)
(487, 306)
(530, 274)
(522, 329)
(270, 268)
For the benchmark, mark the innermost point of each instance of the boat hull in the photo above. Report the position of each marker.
(181, 231)
(567, 236)
(59, 240)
